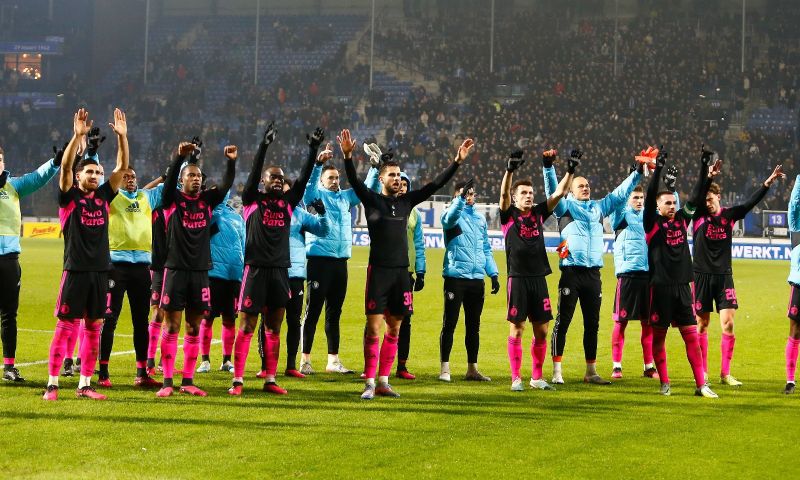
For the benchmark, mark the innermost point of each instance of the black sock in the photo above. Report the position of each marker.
(226, 358)
(206, 358)
(104, 370)
(141, 372)
(187, 382)
(168, 382)
(151, 363)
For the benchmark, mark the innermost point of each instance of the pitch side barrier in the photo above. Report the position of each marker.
(750, 248)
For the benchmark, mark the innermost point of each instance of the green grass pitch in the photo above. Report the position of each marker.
(322, 429)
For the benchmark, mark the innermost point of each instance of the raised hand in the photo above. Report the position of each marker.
(776, 174)
(661, 157)
(548, 157)
(346, 143)
(467, 187)
(326, 154)
(231, 152)
(374, 153)
(81, 123)
(185, 148)
(464, 150)
(316, 138)
(269, 134)
(318, 206)
(120, 125)
(58, 154)
(385, 157)
(574, 160)
(706, 155)
(670, 177)
(515, 161)
(93, 141)
(715, 169)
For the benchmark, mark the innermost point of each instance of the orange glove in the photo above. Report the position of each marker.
(648, 157)
(563, 251)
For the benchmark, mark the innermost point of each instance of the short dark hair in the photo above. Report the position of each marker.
(664, 192)
(714, 188)
(328, 166)
(638, 188)
(458, 186)
(84, 162)
(522, 182)
(1, 151)
(387, 164)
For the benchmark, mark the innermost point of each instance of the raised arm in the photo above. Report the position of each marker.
(515, 161)
(650, 210)
(620, 194)
(80, 127)
(709, 168)
(452, 213)
(155, 182)
(30, 182)
(295, 194)
(418, 196)
(562, 188)
(231, 154)
(347, 145)
(250, 192)
(120, 127)
(739, 211)
(171, 182)
(550, 180)
(312, 187)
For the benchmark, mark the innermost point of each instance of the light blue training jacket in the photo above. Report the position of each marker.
(468, 254)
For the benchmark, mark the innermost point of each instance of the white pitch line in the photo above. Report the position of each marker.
(126, 352)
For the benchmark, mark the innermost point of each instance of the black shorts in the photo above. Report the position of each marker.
(710, 289)
(672, 305)
(83, 295)
(156, 284)
(793, 312)
(528, 298)
(632, 298)
(264, 288)
(224, 297)
(388, 291)
(186, 289)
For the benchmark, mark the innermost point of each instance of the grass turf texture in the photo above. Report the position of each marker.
(323, 429)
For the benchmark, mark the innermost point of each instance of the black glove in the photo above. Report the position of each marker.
(574, 160)
(419, 283)
(495, 285)
(198, 149)
(468, 185)
(661, 158)
(387, 156)
(269, 134)
(316, 138)
(93, 141)
(58, 154)
(3, 178)
(318, 206)
(515, 161)
(706, 155)
(547, 160)
(670, 177)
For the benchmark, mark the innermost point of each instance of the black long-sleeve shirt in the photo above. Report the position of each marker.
(387, 217)
(268, 216)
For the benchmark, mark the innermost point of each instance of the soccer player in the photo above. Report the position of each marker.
(388, 296)
(580, 221)
(225, 280)
(416, 266)
(130, 239)
(83, 210)
(793, 312)
(12, 189)
(187, 215)
(327, 258)
(670, 267)
(467, 260)
(526, 258)
(302, 222)
(712, 231)
(632, 296)
(265, 282)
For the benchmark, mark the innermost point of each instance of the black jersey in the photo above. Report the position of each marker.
(84, 223)
(268, 216)
(668, 257)
(713, 234)
(524, 238)
(188, 220)
(158, 250)
(387, 217)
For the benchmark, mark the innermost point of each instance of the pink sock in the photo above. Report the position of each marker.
(8, 361)
(169, 350)
(618, 341)
(388, 353)
(647, 343)
(792, 346)
(660, 353)
(726, 345)
(515, 356)
(703, 339)
(58, 347)
(191, 347)
(206, 332)
(141, 364)
(273, 345)
(371, 348)
(694, 354)
(81, 336)
(90, 347)
(241, 349)
(228, 337)
(538, 352)
(69, 348)
(153, 332)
